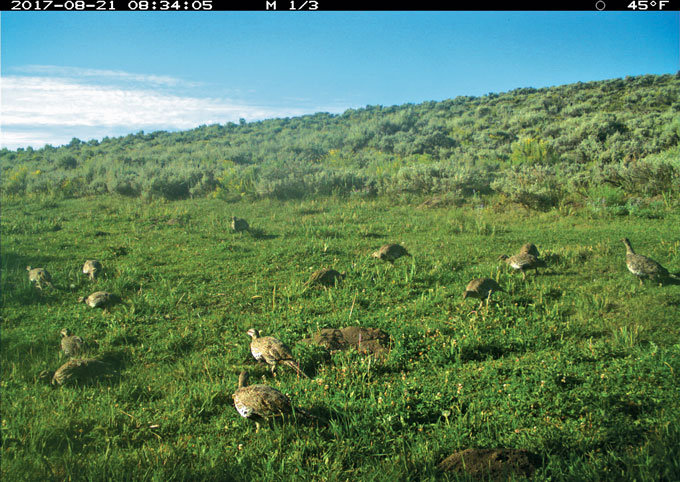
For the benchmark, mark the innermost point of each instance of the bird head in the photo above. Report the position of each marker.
(465, 294)
(629, 248)
(65, 332)
(253, 333)
(28, 268)
(503, 257)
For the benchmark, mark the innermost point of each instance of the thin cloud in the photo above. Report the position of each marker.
(49, 109)
(102, 75)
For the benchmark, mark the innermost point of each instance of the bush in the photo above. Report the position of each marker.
(532, 151)
(123, 183)
(67, 161)
(438, 178)
(236, 180)
(642, 178)
(535, 187)
(15, 182)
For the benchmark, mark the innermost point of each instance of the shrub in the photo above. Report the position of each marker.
(438, 178)
(236, 180)
(15, 181)
(67, 161)
(124, 183)
(535, 187)
(532, 151)
(642, 178)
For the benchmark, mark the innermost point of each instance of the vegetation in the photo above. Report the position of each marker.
(622, 132)
(578, 364)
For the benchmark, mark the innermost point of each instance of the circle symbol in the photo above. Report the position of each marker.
(600, 5)
(653, 4)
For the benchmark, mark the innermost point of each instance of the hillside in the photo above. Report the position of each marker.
(621, 132)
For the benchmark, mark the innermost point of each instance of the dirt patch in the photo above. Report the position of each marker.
(493, 464)
(365, 340)
(330, 338)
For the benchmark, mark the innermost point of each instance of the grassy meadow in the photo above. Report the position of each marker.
(578, 364)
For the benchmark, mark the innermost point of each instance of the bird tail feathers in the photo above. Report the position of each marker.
(295, 367)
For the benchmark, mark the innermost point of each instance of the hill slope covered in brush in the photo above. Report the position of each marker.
(538, 147)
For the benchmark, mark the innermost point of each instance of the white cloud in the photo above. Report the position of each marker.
(98, 75)
(69, 102)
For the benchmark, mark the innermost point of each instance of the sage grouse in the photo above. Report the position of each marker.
(644, 267)
(259, 402)
(529, 248)
(273, 351)
(71, 344)
(390, 252)
(239, 225)
(325, 277)
(99, 299)
(92, 268)
(39, 276)
(78, 370)
(522, 262)
(481, 288)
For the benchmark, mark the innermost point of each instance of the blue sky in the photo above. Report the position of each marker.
(90, 74)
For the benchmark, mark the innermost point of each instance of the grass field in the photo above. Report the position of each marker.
(578, 364)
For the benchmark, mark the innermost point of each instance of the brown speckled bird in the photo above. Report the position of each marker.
(273, 351)
(522, 262)
(644, 267)
(39, 277)
(325, 277)
(71, 344)
(529, 248)
(79, 369)
(239, 225)
(390, 252)
(260, 402)
(481, 288)
(92, 268)
(99, 299)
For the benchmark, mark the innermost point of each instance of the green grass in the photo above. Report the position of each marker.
(579, 364)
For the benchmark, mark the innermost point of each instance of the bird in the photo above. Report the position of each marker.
(529, 248)
(644, 267)
(325, 277)
(239, 225)
(79, 369)
(522, 262)
(259, 402)
(390, 252)
(71, 344)
(99, 299)
(38, 276)
(92, 268)
(481, 288)
(273, 351)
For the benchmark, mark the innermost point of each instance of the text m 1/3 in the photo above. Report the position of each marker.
(299, 5)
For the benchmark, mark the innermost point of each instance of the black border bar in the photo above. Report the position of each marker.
(638, 6)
